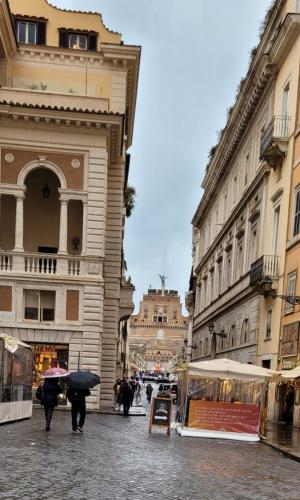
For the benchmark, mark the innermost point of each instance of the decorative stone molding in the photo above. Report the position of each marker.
(9, 158)
(75, 163)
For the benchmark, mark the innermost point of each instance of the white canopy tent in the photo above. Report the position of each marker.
(208, 393)
(224, 368)
(291, 374)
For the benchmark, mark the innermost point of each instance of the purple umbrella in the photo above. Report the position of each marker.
(55, 372)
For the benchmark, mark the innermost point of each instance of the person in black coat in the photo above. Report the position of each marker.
(47, 393)
(77, 400)
(126, 394)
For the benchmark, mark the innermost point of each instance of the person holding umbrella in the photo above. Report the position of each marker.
(79, 384)
(48, 391)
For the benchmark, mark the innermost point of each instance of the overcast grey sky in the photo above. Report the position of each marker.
(194, 54)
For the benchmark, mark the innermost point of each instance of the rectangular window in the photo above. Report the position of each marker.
(253, 246)
(229, 266)
(246, 169)
(239, 258)
(39, 305)
(296, 229)
(31, 32)
(290, 290)
(285, 100)
(212, 286)
(220, 278)
(268, 324)
(234, 192)
(275, 230)
(27, 32)
(78, 42)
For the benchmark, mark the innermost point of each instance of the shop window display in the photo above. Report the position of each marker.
(48, 356)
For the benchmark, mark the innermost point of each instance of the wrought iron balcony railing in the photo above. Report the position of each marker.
(273, 138)
(264, 268)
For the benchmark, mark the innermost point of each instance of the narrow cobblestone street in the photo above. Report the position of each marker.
(116, 458)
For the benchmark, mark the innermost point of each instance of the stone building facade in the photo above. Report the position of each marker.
(67, 111)
(240, 226)
(159, 329)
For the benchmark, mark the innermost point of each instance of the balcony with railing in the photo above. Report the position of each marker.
(264, 273)
(47, 265)
(274, 140)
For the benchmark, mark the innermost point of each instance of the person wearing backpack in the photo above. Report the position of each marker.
(47, 393)
(77, 400)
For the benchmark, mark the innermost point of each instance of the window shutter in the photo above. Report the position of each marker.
(41, 33)
(15, 22)
(63, 39)
(92, 42)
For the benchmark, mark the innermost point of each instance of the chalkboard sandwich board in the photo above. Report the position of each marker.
(161, 413)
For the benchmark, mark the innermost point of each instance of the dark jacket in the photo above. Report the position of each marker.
(48, 392)
(149, 389)
(126, 393)
(76, 396)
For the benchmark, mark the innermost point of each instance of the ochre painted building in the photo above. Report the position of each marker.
(67, 106)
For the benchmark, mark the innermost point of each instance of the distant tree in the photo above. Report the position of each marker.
(129, 200)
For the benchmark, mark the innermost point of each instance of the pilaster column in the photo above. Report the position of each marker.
(84, 227)
(19, 228)
(63, 227)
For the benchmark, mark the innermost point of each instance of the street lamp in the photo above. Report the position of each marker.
(185, 350)
(214, 335)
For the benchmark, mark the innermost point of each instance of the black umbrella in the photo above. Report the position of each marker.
(82, 380)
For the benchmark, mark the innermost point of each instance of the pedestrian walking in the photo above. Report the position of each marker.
(133, 384)
(116, 389)
(138, 396)
(126, 394)
(149, 390)
(47, 393)
(78, 407)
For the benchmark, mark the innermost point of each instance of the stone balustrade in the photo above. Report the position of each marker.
(48, 264)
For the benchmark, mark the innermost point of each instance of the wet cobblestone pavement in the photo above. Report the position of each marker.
(116, 458)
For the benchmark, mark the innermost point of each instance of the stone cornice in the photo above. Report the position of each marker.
(275, 43)
(231, 138)
(108, 125)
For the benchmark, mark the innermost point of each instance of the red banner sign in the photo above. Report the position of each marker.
(220, 416)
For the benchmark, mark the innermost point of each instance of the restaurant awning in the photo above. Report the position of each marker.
(228, 369)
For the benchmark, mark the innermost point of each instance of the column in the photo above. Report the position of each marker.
(19, 232)
(63, 228)
(84, 227)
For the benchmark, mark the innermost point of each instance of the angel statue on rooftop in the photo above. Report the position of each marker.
(163, 280)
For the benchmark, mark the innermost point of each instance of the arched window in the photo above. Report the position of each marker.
(245, 333)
